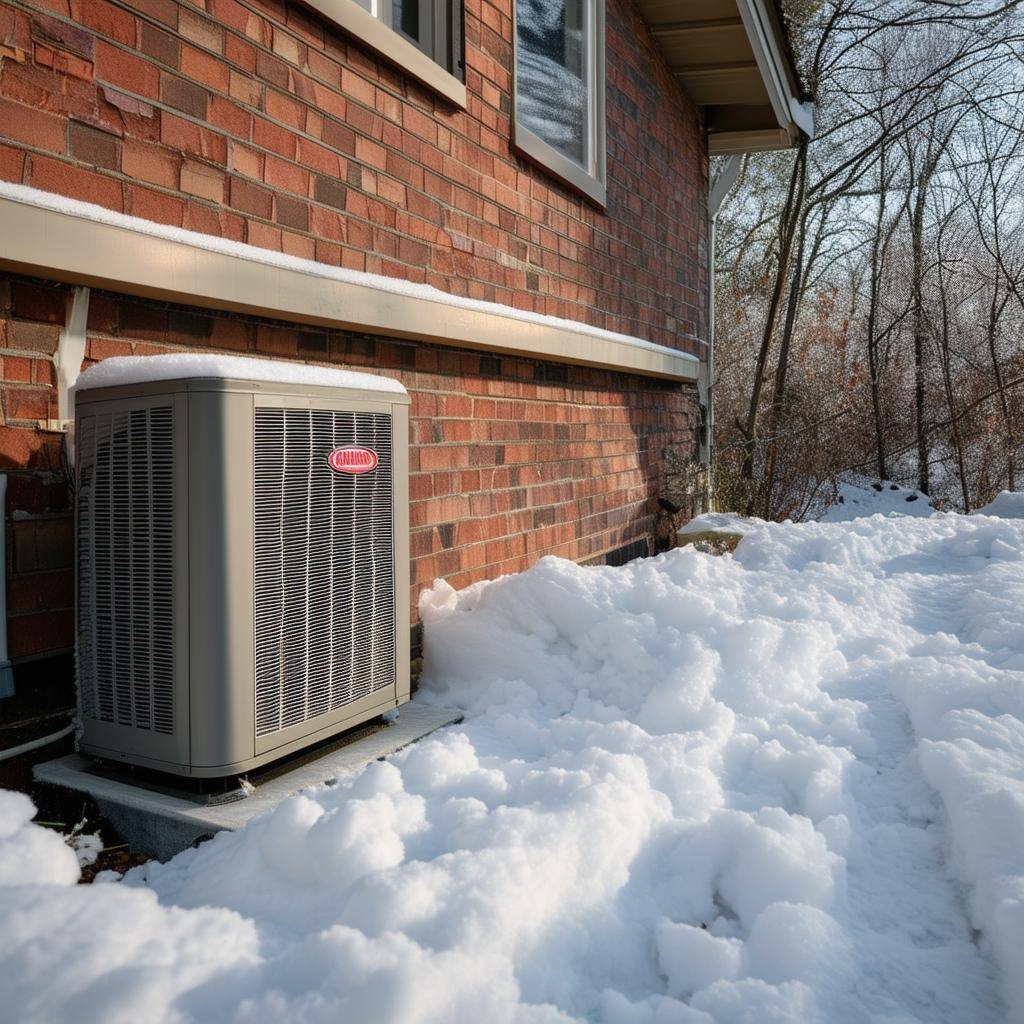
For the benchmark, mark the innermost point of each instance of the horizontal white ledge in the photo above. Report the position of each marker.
(79, 243)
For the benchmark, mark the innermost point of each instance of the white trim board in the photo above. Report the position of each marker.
(83, 244)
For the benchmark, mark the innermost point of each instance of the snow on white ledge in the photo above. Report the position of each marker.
(122, 370)
(719, 522)
(390, 285)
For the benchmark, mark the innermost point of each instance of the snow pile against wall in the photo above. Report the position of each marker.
(685, 791)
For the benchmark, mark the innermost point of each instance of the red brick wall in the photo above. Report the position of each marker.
(507, 463)
(258, 121)
(38, 530)
(255, 120)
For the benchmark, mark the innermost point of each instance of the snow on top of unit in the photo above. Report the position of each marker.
(1006, 505)
(121, 370)
(392, 285)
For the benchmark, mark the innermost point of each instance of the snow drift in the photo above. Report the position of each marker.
(691, 789)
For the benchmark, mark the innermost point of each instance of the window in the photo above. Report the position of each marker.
(422, 37)
(432, 26)
(559, 89)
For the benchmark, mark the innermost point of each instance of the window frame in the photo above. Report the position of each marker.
(592, 181)
(390, 43)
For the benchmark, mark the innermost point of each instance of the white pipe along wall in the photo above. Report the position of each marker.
(68, 363)
(721, 187)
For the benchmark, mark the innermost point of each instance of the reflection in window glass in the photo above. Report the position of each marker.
(551, 74)
(405, 16)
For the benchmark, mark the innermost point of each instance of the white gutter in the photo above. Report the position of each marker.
(706, 381)
(789, 110)
(6, 671)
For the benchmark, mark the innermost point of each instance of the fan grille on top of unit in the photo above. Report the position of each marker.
(324, 584)
(125, 650)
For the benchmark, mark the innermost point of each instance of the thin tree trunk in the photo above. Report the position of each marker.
(782, 368)
(920, 331)
(877, 250)
(790, 217)
(947, 379)
(1004, 404)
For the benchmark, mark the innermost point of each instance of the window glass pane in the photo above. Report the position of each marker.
(551, 78)
(405, 16)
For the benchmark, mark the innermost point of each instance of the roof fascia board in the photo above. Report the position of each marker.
(788, 108)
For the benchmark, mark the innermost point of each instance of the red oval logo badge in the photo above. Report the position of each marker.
(353, 459)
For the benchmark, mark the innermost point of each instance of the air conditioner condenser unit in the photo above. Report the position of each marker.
(242, 558)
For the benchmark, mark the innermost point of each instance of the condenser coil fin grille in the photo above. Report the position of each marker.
(125, 654)
(324, 575)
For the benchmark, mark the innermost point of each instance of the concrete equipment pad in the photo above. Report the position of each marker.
(161, 824)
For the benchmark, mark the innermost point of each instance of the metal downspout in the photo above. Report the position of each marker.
(725, 180)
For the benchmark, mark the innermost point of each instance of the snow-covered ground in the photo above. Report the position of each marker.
(781, 785)
(859, 496)
(1006, 505)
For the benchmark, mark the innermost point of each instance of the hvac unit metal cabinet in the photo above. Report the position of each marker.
(242, 568)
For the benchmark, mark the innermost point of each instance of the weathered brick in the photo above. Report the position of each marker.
(245, 89)
(69, 65)
(158, 44)
(203, 180)
(32, 301)
(33, 336)
(156, 206)
(108, 20)
(76, 182)
(32, 127)
(131, 73)
(92, 146)
(205, 68)
(63, 35)
(12, 163)
(16, 369)
(147, 162)
(293, 213)
(327, 190)
(184, 95)
(229, 117)
(264, 236)
(250, 198)
(165, 11)
(26, 403)
(200, 30)
(284, 108)
(240, 53)
(177, 133)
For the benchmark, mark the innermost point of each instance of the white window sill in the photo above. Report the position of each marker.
(561, 167)
(358, 22)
